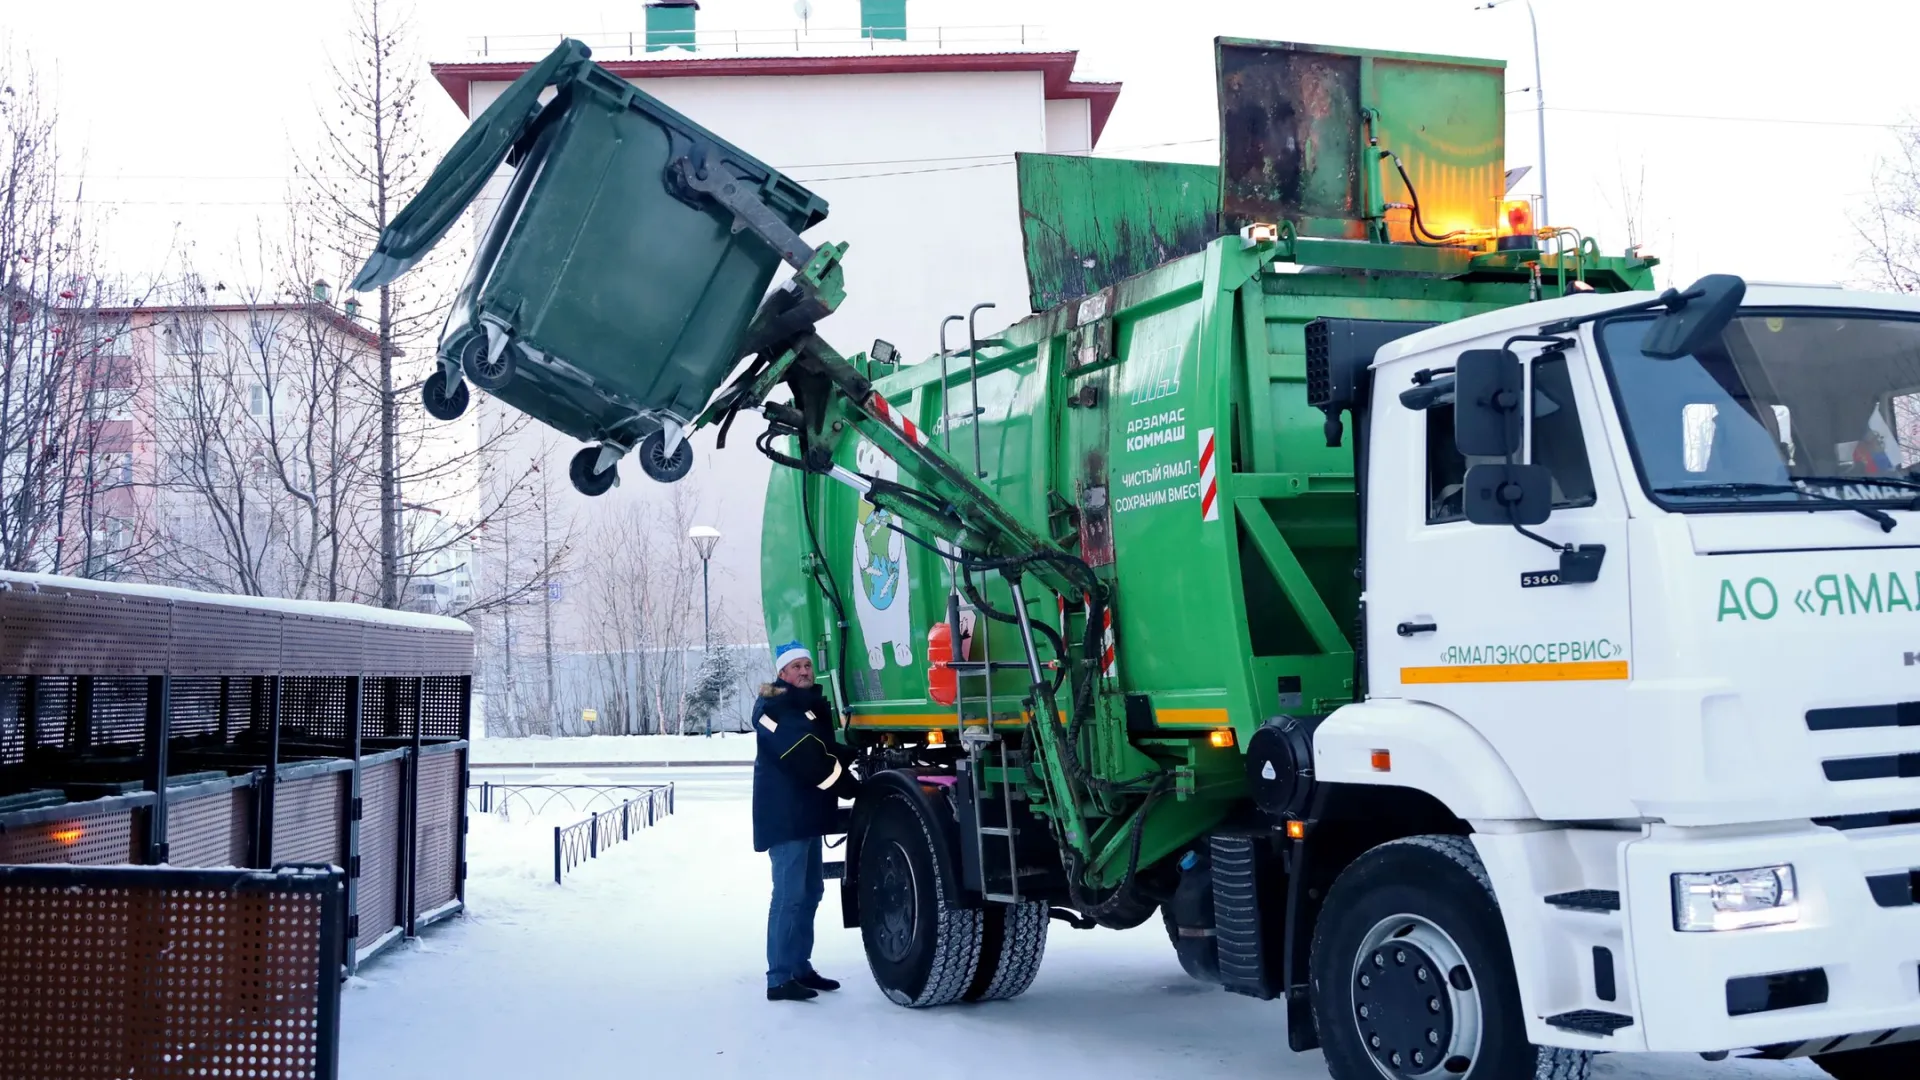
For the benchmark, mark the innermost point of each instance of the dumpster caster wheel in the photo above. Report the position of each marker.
(655, 463)
(444, 400)
(485, 372)
(585, 480)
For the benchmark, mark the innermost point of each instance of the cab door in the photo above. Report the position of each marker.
(1474, 619)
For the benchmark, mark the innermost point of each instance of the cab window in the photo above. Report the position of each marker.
(1558, 443)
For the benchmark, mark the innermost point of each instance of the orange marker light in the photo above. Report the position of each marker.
(1221, 739)
(1382, 761)
(70, 835)
(936, 737)
(1519, 217)
(1296, 830)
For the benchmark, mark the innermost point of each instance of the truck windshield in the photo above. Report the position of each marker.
(1802, 407)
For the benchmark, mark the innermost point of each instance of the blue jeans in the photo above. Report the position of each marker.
(797, 888)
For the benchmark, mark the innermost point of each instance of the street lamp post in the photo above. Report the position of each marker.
(1539, 103)
(705, 538)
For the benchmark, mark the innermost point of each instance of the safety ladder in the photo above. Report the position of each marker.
(984, 748)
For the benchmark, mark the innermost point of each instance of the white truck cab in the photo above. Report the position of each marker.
(1655, 636)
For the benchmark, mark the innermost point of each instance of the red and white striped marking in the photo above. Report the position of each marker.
(900, 423)
(1209, 483)
(1107, 667)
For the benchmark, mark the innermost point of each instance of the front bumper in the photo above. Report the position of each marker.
(1866, 952)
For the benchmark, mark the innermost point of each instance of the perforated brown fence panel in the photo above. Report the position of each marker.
(100, 840)
(310, 820)
(195, 701)
(119, 711)
(441, 708)
(13, 721)
(314, 708)
(386, 708)
(437, 878)
(161, 974)
(377, 899)
(65, 630)
(200, 830)
(70, 626)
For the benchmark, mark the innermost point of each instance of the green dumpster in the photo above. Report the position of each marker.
(609, 295)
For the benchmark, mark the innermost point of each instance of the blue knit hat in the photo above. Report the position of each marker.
(787, 654)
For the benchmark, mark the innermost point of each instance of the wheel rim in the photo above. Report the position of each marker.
(895, 900)
(491, 367)
(1416, 1003)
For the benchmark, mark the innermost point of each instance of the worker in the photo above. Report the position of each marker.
(800, 772)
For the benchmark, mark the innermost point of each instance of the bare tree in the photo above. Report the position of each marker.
(1890, 227)
(373, 161)
(67, 502)
(261, 426)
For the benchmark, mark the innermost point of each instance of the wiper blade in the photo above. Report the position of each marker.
(1878, 516)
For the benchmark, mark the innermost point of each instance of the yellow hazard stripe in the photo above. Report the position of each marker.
(1572, 671)
(1211, 718)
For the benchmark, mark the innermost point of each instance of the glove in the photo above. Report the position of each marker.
(847, 787)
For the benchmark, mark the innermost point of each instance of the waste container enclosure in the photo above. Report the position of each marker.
(606, 299)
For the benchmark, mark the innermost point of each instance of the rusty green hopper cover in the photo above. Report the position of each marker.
(1090, 222)
(1302, 129)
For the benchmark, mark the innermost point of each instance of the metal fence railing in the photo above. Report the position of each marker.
(575, 844)
(487, 797)
(618, 45)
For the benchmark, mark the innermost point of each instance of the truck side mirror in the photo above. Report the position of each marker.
(1508, 494)
(1695, 318)
(1486, 403)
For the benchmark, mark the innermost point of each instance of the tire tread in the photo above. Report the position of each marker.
(1023, 942)
(956, 940)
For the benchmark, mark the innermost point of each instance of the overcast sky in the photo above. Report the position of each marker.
(1750, 129)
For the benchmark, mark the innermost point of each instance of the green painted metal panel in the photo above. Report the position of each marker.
(1089, 222)
(1303, 129)
(670, 26)
(883, 20)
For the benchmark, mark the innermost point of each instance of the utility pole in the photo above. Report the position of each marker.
(1539, 103)
(705, 538)
(546, 600)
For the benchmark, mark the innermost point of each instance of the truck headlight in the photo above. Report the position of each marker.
(1735, 899)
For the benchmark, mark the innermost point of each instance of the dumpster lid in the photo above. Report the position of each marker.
(457, 180)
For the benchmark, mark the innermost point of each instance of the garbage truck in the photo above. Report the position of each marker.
(1489, 658)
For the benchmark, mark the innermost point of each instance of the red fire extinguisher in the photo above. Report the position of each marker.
(942, 684)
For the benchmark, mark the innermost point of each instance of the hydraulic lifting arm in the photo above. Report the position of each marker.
(948, 502)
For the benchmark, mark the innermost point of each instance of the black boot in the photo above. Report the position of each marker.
(792, 990)
(813, 980)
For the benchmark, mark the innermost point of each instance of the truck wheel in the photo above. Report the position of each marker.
(1013, 937)
(657, 465)
(1413, 976)
(922, 946)
(1874, 1063)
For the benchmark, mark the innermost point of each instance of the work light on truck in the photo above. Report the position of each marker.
(1735, 899)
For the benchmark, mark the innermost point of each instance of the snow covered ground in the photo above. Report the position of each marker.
(649, 962)
(732, 746)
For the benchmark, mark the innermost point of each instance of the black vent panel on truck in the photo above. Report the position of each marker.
(1339, 351)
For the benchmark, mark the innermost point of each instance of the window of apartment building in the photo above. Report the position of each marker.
(259, 403)
(110, 403)
(189, 337)
(110, 470)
